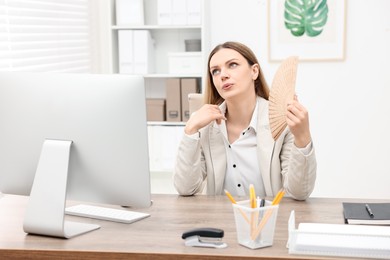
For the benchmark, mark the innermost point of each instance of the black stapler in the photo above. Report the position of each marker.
(204, 237)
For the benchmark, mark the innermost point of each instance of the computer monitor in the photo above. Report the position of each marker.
(76, 136)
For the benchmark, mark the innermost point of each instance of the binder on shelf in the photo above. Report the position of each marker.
(187, 86)
(125, 50)
(173, 100)
(338, 240)
(136, 52)
(179, 12)
(367, 213)
(164, 12)
(129, 12)
(194, 12)
(143, 52)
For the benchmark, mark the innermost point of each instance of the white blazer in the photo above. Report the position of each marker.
(201, 164)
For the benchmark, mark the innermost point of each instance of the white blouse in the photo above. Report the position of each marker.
(243, 167)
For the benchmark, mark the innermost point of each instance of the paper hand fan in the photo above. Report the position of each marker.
(282, 91)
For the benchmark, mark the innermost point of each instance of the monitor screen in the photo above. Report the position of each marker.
(104, 118)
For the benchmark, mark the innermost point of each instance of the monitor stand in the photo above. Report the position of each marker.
(45, 211)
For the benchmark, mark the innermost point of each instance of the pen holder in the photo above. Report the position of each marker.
(255, 226)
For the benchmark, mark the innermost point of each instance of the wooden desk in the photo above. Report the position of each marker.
(159, 236)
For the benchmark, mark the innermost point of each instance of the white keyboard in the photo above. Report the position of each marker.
(116, 215)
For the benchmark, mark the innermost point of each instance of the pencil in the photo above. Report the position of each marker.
(230, 197)
(252, 201)
(234, 202)
(278, 197)
(252, 196)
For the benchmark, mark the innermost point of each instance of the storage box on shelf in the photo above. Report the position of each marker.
(185, 63)
(173, 100)
(193, 45)
(188, 86)
(177, 105)
(155, 109)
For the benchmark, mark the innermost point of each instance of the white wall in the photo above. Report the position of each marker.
(348, 101)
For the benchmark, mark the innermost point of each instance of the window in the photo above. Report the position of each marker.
(45, 36)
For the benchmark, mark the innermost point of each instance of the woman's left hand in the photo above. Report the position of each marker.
(298, 121)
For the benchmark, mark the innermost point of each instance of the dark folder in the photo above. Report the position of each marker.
(367, 213)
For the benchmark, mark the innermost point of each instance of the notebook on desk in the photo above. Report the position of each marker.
(367, 213)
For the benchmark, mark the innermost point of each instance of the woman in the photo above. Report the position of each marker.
(228, 142)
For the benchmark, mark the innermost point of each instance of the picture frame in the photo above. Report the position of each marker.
(315, 43)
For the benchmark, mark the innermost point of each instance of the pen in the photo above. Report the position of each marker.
(262, 202)
(369, 211)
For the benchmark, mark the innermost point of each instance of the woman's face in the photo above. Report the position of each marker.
(231, 74)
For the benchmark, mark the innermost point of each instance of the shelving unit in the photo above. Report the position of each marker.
(163, 136)
(167, 39)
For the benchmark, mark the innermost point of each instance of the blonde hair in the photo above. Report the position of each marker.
(212, 96)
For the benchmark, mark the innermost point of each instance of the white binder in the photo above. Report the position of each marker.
(194, 8)
(125, 50)
(164, 12)
(136, 52)
(143, 52)
(179, 12)
(129, 12)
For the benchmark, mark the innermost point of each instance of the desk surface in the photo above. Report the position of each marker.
(159, 236)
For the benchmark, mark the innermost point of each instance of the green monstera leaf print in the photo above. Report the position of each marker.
(305, 16)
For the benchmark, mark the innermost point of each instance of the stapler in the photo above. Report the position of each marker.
(204, 237)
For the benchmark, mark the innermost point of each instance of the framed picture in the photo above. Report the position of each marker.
(311, 30)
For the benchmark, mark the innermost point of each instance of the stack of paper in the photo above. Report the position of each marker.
(339, 240)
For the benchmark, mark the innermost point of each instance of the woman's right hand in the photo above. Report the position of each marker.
(202, 117)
